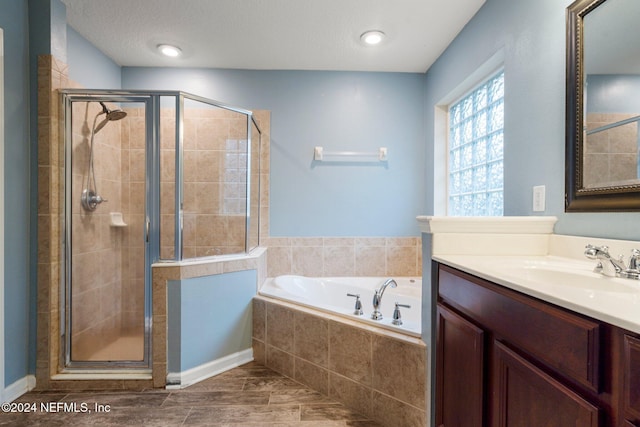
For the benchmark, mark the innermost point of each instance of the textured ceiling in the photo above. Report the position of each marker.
(273, 34)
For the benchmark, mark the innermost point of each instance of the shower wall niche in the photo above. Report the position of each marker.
(149, 177)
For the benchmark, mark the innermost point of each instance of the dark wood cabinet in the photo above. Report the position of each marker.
(505, 359)
(460, 359)
(631, 379)
(524, 395)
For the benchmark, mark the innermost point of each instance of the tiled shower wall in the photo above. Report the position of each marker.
(215, 159)
(109, 261)
(52, 75)
(610, 156)
(93, 236)
(132, 192)
(98, 250)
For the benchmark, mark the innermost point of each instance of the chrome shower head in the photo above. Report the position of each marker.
(112, 115)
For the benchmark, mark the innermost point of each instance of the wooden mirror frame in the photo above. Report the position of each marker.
(578, 198)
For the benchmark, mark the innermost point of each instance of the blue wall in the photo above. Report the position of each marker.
(532, 37)
(209, 318)
(351, 111)
(610, 93)
(88, 66)
(16, 310)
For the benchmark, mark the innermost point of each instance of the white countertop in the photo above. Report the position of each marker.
(523, 254)
(565, 282)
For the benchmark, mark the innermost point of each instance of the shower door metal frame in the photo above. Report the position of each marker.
(151, 235)
(251, 121)
(152, 101)
(179, 165)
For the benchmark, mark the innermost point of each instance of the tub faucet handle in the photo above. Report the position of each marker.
(358, 307)
(397, 318)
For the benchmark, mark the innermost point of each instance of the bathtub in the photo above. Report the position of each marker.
(329, 294)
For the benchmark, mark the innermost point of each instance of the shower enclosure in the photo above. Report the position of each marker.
(149, 177)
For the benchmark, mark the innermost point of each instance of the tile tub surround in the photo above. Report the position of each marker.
(378, 373)
(344, 256)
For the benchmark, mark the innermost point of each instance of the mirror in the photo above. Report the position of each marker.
(603, 106)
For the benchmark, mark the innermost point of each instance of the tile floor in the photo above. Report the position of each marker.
(250, 395)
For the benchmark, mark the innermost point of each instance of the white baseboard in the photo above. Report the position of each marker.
(18, 388)
(184, 379)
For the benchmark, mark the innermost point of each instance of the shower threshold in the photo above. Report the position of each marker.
(124, 374)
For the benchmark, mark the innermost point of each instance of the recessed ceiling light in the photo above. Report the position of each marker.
(169, 50)
(372, 37)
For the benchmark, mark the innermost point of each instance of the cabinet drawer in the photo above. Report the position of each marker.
(567, 343)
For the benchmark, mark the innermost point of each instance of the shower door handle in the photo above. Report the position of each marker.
(146, 229)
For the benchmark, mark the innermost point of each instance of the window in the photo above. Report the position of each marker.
(475, 177)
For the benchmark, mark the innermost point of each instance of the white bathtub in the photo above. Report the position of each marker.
(329, 294)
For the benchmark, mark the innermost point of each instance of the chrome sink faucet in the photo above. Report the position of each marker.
(609, 266)
(377, 298)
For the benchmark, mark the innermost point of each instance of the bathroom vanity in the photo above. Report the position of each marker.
(504, 358)
(526, 332)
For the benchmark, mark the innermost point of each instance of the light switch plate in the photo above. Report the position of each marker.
(538, 198)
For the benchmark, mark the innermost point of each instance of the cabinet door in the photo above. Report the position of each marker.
(459, 375)
(631, 372)
(526, 396)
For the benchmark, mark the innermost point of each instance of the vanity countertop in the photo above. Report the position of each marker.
(563, 281)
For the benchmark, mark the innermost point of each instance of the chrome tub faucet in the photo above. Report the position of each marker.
(377, 298)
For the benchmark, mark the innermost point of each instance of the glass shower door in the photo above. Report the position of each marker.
(107, 292)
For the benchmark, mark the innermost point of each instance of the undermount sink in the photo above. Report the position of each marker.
(555, 271)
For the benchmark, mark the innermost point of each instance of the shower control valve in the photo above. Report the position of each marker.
(90, 200)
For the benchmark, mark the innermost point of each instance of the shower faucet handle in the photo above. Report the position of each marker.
(90, 200)
(358, 307)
